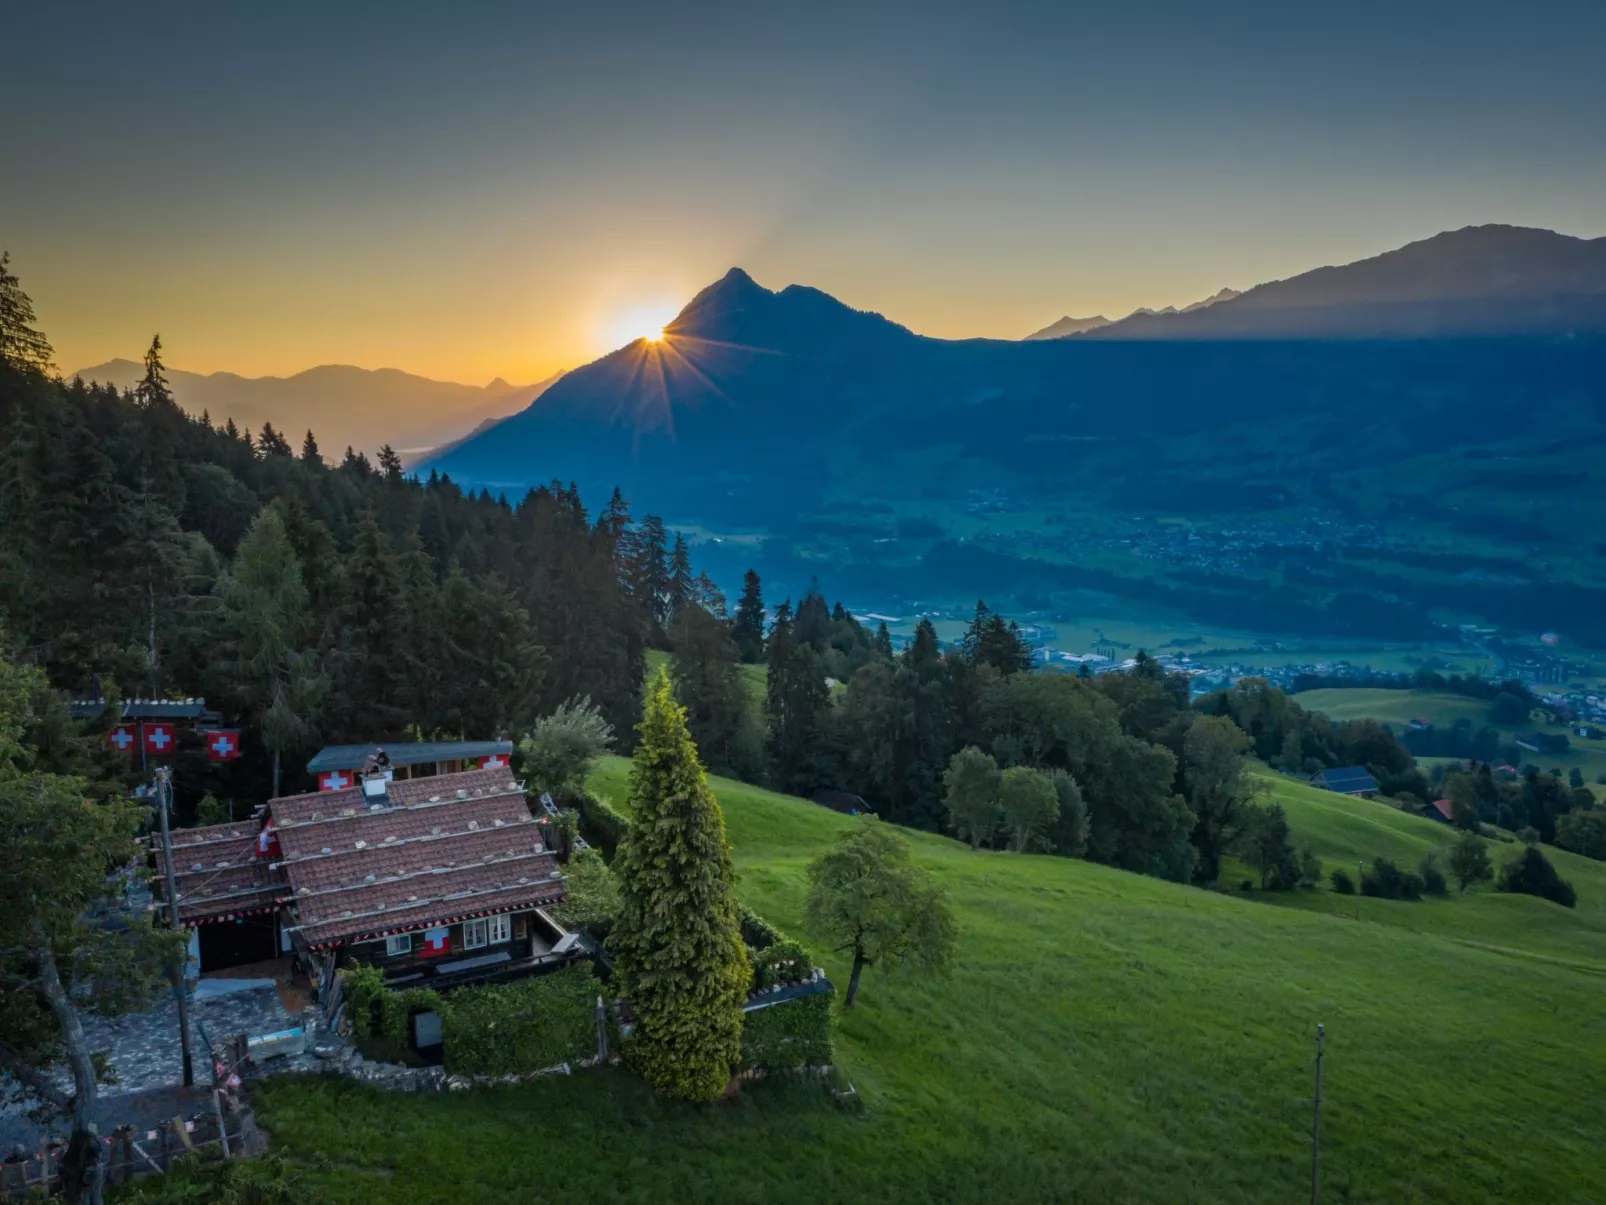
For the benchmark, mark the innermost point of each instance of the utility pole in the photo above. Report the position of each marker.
(1316, 1124)
(164, 790)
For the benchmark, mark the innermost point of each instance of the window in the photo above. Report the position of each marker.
(401, 943)
(501, 929)
(474, 934)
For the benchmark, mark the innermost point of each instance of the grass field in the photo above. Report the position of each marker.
(1399, 707)
(1104, 1038)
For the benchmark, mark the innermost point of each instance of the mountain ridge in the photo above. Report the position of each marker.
(342, 404)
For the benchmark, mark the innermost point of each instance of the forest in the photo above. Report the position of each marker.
(314, 600)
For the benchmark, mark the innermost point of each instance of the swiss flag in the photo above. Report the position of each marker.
(122, 738)
(335, 780)
(159, 737)
(223, 744)
(436, 942)
(494, 761)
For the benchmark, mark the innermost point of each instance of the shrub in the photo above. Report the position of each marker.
(757, 933)
(562, 747)
(498, 1029)
(207, 1179)
(1528, 836)
(786, 961)
(1432, 877)
(513, 1028)
(1310, 868)
(1530, 873)
(1386, 881)
(1341, 882)
(602, 824)
(593, 896)
(795, 1033)
(1469, 861)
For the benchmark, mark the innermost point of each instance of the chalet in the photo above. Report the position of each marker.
(436, 874)
(1347, 780)
(1440, 809)
(441, 879)
(337, 766)
(229, 895)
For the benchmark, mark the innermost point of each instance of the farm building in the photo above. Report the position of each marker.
(1347, 780)
(1440, 809)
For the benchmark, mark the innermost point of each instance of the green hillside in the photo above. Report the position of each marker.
(1399, 707)
(1105, 1037)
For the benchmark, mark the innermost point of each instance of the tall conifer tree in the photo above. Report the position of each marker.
(677, 941)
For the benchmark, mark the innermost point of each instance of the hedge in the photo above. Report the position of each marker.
(497, 1029)
(600, 822)
(784, 1036)
(593, 896)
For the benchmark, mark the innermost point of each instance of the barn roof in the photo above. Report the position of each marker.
(1347, 780)
(406, 753)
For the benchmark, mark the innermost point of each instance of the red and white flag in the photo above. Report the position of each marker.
(436, 942)
(494, 761)
(159, 738)
(223, 744)
(123, 738)
(336, 780)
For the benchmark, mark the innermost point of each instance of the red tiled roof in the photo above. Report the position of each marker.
(1443, 808)
(218, 874)
(436, 851)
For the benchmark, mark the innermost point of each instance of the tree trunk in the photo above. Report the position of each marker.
(853, 980)
(155, 657)
(83, 1169)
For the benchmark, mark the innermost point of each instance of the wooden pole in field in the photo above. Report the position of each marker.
(1316, 1123)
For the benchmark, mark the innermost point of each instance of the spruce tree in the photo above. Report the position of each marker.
(682, 585)
(795, 703)
(270, 625)
(309, 450)
(21, 345)
(748, 628)
(677, 941)
(708, 685)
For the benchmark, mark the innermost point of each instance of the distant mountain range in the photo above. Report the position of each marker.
(1068, 326)
(342, 405)
(1428, 383)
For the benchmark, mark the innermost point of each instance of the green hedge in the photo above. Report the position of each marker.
(507, 1029)
(600, 822)
(593, 896)
(785, 1036)
(758, 933)
(498, 1029)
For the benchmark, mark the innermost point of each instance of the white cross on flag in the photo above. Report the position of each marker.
(223, 744)
(334, 780)
(494, 761)
(122, 738)
(159, 738)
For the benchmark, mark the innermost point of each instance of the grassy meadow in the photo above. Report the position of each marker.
(1104, 1038)
(1400, 707)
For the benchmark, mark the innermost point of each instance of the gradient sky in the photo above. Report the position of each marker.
(472, 190)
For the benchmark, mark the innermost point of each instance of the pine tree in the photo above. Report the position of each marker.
(390, 465)
(21, 345)
(708, 685)
(272, 443)
(682, 585)
(368, 629)
(748, 628)
(267, 617)
(309, 450)
(649, 577)
(152, 390)
(677, 940)
(795, 703)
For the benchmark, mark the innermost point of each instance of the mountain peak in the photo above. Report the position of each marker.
(1069, 326)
